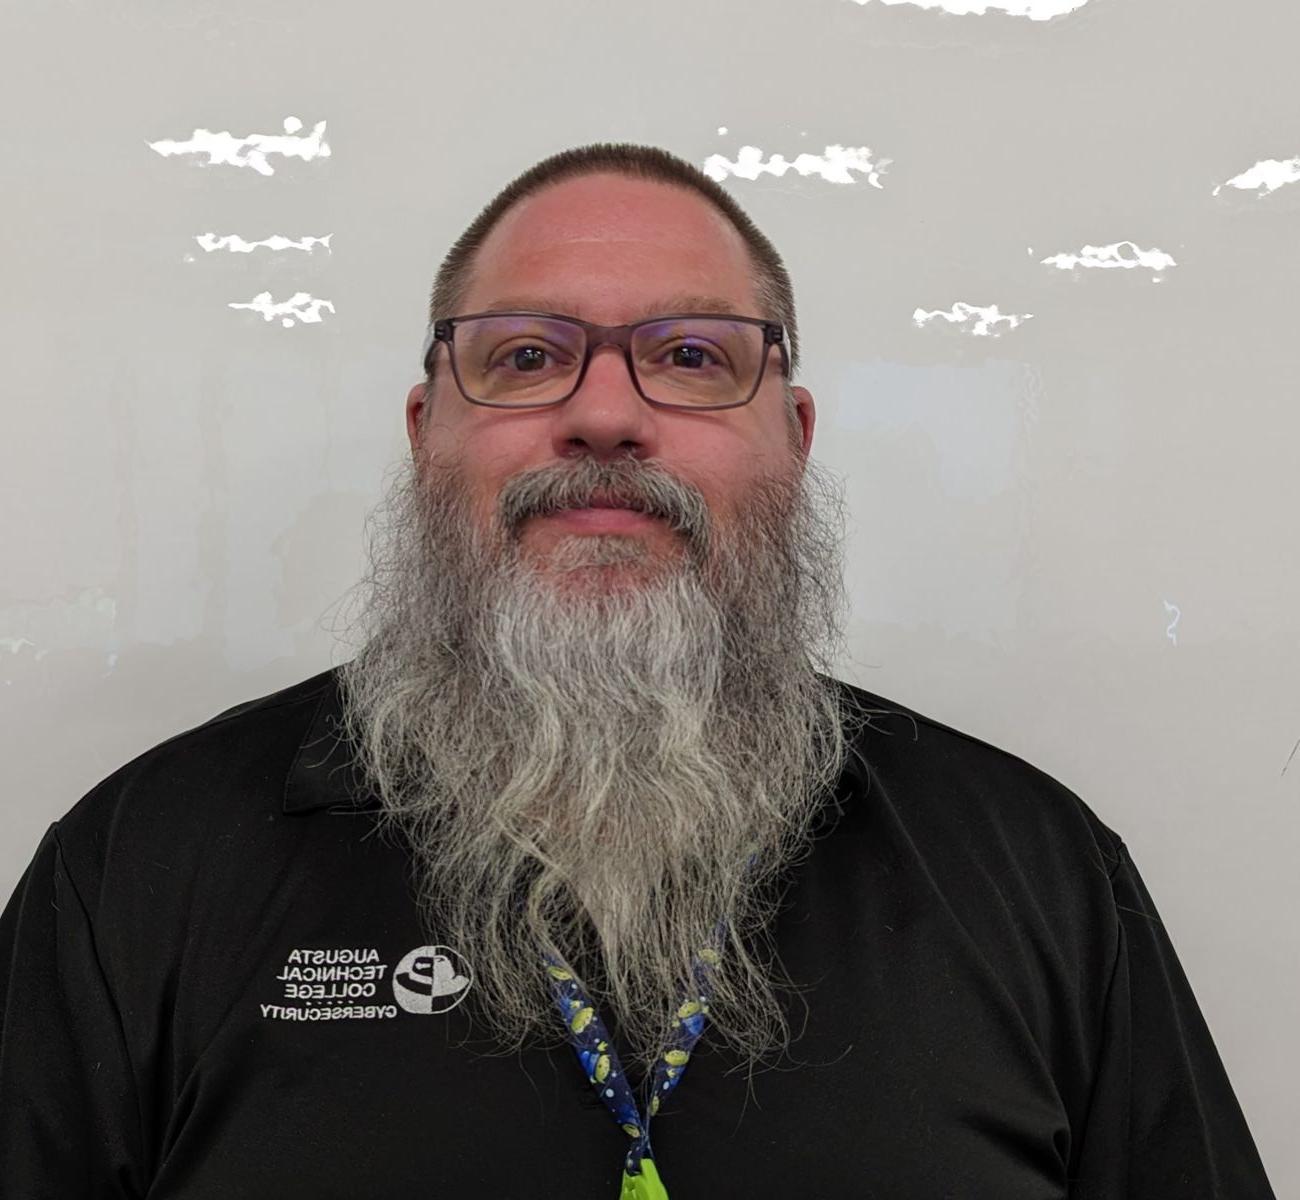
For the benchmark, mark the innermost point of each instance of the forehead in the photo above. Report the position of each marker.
(602, 242)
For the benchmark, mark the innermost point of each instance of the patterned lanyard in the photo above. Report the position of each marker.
(600, 1063)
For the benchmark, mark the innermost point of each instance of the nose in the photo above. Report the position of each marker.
(605, 417)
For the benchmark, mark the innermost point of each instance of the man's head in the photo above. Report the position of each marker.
(604, 735)
(773, 292)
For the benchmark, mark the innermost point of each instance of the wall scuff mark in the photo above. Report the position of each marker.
(84, 621)
(1265, 176)
(1171, 633)
(224, 149)
(978, 322)
(14, 644)
(1035, 10)
(1126, 255)
(300, 305)
(834, 165)
(237, 245)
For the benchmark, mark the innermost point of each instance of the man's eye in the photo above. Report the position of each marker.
(527, 357)
(522, 358)
(690, 355)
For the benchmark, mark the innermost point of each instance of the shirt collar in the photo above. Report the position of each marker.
(324, 773)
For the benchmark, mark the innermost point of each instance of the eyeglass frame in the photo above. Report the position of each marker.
(443, 330)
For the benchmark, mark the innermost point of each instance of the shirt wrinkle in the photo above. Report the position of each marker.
(61, 861)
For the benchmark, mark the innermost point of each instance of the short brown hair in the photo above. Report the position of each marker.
(771, 280)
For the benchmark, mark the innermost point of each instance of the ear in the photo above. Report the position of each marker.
(416, 402)
(806, 411)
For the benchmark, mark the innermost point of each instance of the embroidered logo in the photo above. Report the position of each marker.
(348, 983)
(431, 979)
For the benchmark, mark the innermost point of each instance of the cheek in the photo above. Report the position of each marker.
(484, 471)
(453, 471)
(732, 488)
(724, 469)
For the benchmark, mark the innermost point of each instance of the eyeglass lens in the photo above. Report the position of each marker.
(697, 361)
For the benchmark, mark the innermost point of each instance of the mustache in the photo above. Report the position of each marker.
(644, 486)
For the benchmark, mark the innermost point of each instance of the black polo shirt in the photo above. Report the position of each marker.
(217, 986)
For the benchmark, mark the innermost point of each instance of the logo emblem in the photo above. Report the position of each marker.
(431, 979)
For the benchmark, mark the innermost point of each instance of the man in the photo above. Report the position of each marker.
(632, 839)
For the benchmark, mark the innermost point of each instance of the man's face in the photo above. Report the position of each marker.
(600, 741)
(610, 250)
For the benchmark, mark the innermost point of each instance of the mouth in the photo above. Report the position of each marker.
(606, 510)
(597, 518)
(607, 500)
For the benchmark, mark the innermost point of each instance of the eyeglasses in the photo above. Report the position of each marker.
(531, 359)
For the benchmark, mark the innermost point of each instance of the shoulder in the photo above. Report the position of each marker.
(948, 786)
(229, 771)
(974, 846)
(244, 745)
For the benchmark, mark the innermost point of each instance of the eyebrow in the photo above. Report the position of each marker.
(681, 302)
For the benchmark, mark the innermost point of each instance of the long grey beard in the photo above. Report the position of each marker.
(603, 756)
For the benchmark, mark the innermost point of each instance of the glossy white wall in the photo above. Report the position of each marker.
(1073, 516)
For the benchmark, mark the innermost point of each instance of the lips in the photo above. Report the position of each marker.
(604, 510)
(604, 520)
